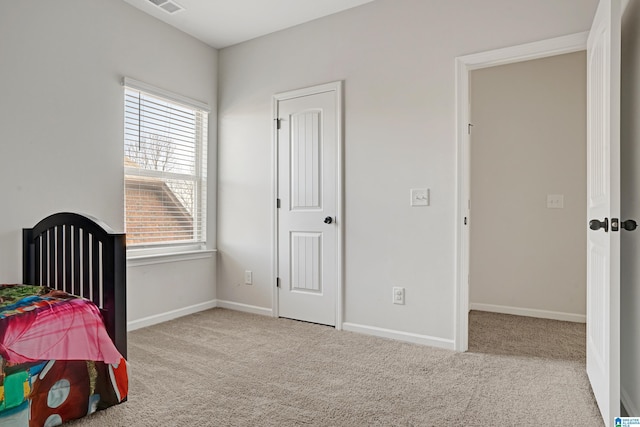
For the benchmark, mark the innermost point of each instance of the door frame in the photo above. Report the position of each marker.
(337, 88)
(464, 65)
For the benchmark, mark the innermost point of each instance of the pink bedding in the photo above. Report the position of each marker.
(61, 328)
(57, 362)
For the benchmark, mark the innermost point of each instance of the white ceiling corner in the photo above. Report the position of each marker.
(222, 23)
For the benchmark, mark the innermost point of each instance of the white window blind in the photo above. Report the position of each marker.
(165, 167)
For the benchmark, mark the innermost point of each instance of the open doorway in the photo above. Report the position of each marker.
(528, 188)
(464, 66)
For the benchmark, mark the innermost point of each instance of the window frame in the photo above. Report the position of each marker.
(151, 253)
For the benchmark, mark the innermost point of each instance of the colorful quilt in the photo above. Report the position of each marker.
(57, 362)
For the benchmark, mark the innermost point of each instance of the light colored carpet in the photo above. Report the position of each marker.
(226, 368)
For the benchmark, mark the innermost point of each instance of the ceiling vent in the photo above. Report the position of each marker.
(168, 6)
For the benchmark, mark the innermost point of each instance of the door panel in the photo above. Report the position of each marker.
(307, 188)
(603, 194)
(306, 262)
(306, 149)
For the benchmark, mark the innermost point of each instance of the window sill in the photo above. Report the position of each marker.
(163, 258)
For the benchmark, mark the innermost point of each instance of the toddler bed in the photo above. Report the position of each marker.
(63, 334)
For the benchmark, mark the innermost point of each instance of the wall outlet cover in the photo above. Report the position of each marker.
(555, 201)
(398, 295)
(420, 197)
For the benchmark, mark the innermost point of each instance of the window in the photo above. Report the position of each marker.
(165, 167)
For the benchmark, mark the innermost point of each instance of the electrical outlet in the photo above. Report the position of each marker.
(398, 295)
(248, 277)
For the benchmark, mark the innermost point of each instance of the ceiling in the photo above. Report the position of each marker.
(222, 23)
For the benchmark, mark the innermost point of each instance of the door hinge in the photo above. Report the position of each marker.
(277, 203)
(278, 123)
(277, 282)
(469, 126)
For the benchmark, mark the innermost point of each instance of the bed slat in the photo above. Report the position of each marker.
(37, 268)
(59, 258)
(51, 281)
(76, 260)
(44, 267)
(86, 264)
(95, 272)
(68, 256)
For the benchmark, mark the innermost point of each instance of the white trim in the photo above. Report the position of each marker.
(150, 89)
(629, 405)
(163, 258)
(526, 52)
(530, 312)
(463, 66)
(170, 315)
(340, 216)
(399, 335)
(336, 87)
(312, 90)
(274, 209)
(461, 301)
(236, 306)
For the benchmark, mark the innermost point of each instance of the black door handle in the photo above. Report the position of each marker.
(328, 220)
(595, 224)
(629, 225)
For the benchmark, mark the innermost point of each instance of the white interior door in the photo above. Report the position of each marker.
(308, 216)
(603, 208)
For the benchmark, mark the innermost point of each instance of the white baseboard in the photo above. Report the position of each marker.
(628, 403)
(245, 307)
(529, 312)
(169, 315)
(399, 335)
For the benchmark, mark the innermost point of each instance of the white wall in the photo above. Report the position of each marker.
(397, 60)
(528, 141)
(61, 125)
(630, 208)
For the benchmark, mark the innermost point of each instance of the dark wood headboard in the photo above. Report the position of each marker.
(82, 256)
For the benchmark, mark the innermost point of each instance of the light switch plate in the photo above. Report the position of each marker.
(555, 201)
(420, 197)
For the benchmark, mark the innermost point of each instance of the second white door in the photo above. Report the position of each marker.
(603, 208)
(308, 192)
